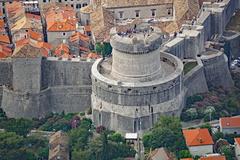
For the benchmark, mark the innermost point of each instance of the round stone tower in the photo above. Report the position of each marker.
(138, 84)
(136, 56)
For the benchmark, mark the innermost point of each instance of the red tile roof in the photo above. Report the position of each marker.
(213, 158)
(61, 19)
(45, 47)
(197, 137)
(230, 122)
(5, 51)
(4, 39)
(35, 35)
(186, 159)
(237, 140)
(79, 36)
(62, 51)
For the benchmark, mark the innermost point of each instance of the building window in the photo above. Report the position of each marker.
(137, 13)
(100, 118)
(78, 6)
(153, 12)
(63, 33)
(72, 5)
(84, 4)
(59, 1)
(169, 11)
(44, 1)
(121, 14)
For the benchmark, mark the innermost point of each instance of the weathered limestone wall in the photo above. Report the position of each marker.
(5, 75)
(127, 118)
(205, 20)
(64, 72)
(70, 98)
(216, 70)
(18, 104)
(43, 86)
(27, 75)
(194, 80)
(232, 42)
(5, 72)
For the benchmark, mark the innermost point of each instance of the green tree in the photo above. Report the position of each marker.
(166, 133)
(185, 154)
(228, 151)
(19, 126)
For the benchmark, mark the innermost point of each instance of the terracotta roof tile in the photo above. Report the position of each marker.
(43, 47)
(237, 140)
(213, 158)
(62, 51)
(35, 35)
(61, 19)
(93, 56)
(4, 39)
(197, 137)
(230, 122)
(5, 51)
(79, 36)
(186, 159)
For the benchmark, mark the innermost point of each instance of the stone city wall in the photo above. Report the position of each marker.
(195, 81)
(216, 70)
(70, 98)
(67, 72)
(26, 75)
(232, 40)
(17, 104)
(5, 72)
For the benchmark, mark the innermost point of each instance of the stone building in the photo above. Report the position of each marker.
(198, 141)
(138, 84)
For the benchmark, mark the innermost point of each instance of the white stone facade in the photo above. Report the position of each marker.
(201, 150)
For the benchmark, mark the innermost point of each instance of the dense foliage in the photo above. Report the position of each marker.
(166, 133)
(104, 145)
(15, 147)
(212, 105)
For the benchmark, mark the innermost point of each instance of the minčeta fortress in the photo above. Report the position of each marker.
(147, 75)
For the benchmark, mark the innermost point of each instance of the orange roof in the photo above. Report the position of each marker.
(4, 38)
(186, 159)
(93, 56)
(237, 140)
(213, 158)
(197, 137)
(62, 51)
(5, 51)
(45, 47)
(33, 16)
(35, 35)
(2, 23)
(79, 36)
(61, 19)
(84, 49)
(230, 122)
